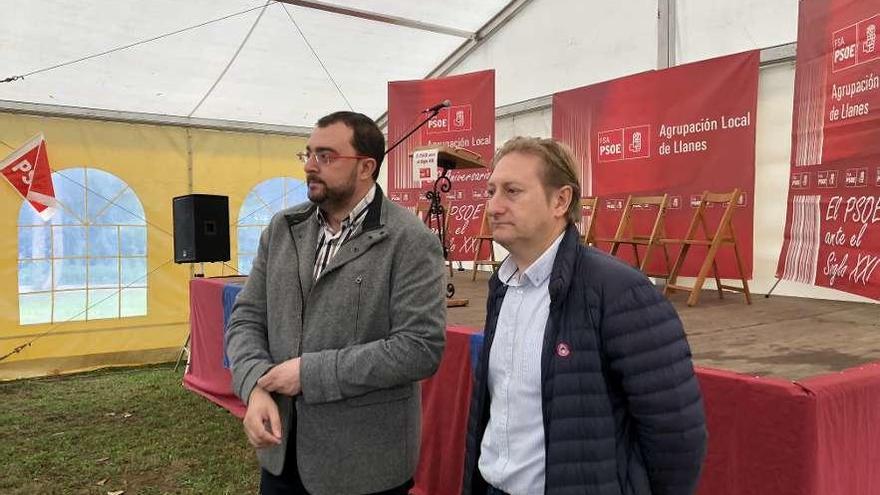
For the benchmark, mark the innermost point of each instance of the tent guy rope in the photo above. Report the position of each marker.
(131, 45)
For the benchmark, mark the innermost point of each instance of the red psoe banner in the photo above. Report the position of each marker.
(469, 122)
(27, 170)
(679, 131)
(832, 228)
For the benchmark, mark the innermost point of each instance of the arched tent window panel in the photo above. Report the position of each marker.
(89, 261)
(262, 202)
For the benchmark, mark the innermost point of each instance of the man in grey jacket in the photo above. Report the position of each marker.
(342, 314)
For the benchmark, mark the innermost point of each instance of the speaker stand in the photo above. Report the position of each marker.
(185, 348)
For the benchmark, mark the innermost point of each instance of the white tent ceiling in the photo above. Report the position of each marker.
(277, 78)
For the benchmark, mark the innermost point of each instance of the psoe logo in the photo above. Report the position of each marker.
(800, 180)
(460, 118)
(637, 142)
(439, 124)
(868, 46)
(610, 145)
(456, 118)
(26, 171)
(844, 53)
(856, 177)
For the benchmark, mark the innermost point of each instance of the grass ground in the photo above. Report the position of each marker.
(136, 430)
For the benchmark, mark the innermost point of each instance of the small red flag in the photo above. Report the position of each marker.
(27, 169)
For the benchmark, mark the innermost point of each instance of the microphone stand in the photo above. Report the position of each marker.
(436, 212)
(433, 113)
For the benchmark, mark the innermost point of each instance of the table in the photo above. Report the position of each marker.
(207, 374)
(819, 436)
(445, 396)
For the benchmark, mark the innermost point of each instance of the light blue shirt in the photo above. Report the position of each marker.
(512, 452)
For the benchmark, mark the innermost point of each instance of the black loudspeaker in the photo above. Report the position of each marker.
(201, 228)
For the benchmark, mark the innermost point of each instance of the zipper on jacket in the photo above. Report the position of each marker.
(357, 310)
(302, 297)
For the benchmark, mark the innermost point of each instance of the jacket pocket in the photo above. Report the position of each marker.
(382, 396)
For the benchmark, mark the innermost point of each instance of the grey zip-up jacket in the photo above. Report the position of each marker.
(368, 330)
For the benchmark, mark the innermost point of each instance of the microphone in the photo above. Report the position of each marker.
(437, 107)
(433, 111)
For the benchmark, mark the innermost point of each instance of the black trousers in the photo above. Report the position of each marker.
(495, 491)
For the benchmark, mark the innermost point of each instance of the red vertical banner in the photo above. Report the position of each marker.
(832, 229)
(27, 170)
(469, 122)
(679, 131)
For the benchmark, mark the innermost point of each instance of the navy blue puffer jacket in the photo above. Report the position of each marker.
(623, 413)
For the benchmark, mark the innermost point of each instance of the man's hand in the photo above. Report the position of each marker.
(283, 378)
(262, 423)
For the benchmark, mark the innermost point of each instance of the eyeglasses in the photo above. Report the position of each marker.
(323, 158)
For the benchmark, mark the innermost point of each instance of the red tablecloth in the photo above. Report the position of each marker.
(819, 436)
(445, 400)
(761, 435)
(207, 374)
(847, 422)
(445, 396)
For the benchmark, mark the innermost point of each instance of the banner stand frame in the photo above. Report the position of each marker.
(448, 158)
(767, 295)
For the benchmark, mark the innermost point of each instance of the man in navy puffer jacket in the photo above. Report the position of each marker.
(585, 384)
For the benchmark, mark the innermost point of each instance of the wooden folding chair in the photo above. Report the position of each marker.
(423, 211)
(723, 235)
(627, 234)
(485, 235)
(587, 225)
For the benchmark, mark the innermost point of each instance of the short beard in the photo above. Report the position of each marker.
(333, 198)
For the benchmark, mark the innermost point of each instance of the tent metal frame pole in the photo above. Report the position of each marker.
(485, 32)
(379, 17)
(46, 110)
(779, 54)
(505, 15)
(666, 30)
(774, 55)
(666, 54)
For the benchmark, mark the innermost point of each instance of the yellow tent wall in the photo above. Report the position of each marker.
(158, 163)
